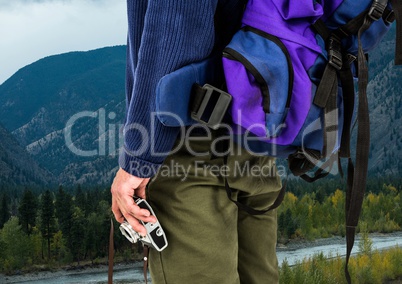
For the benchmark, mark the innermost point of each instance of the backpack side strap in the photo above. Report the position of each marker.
(357, 180)
(357, 175)
(346, 78)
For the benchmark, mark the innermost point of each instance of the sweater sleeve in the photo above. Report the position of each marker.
(163, 35)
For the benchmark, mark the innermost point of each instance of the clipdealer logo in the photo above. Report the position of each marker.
(110, 139)
(201, 168)
(106, 132)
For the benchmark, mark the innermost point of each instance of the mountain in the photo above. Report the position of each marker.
(385, 104)
(66, 111)
(386, 122)
(16, 166)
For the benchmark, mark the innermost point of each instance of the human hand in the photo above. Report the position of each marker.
(124, 187)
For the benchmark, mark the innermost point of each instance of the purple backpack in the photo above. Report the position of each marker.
(283, 70)
(291, 70)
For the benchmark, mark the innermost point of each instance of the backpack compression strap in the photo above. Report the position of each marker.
(326, 98)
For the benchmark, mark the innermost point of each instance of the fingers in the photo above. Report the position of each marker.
(140, 191)
(117, 214)
(137, 225)
(132, 218)
(123, 189)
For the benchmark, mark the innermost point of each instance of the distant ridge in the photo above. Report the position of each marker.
(17, 167)
(39, 99)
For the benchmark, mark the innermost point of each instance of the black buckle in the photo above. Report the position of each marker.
(377, 9)
(389, 17)
(350, 58)
(334, 53)
(213, 107)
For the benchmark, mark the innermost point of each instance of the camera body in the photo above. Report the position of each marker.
(155, 237)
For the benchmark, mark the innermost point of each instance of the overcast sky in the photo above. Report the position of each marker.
(33, 29)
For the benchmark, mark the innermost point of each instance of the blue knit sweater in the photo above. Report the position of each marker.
(163, 35)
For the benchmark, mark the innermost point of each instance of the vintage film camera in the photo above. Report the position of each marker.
(155, 237)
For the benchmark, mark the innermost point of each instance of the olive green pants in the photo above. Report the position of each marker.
(211, 241)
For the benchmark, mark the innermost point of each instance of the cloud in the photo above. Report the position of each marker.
(8, 5)
(15, 3)
(30, 30)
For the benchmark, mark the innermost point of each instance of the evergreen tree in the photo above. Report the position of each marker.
(320, 195)
(64, 211)
(4, 210)
(77, 235)
(92, 236)
(27, 211)
(107, 195)
(290, 223)
(98, 227)
(81, 200)
(48, 218)
(282, 225)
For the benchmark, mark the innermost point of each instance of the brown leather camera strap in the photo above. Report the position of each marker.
(111, 253)
(145, 267)
(111, 257)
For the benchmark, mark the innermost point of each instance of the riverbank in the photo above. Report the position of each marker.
(302, 243)
(68, 271)
(292, 248)
(297, 250)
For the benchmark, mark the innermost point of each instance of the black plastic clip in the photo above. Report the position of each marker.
(334, 53)
(212, 106)
(377, 9)
(350, 58)
(389, 16)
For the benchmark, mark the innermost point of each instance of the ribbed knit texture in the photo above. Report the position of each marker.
(163, 35)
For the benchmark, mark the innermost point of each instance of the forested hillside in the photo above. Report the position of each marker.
(17, 166)
(71, 225)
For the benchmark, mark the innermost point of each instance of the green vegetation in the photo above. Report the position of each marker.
(321, 215)
(46, 229)
(368, 266)
(52, 229)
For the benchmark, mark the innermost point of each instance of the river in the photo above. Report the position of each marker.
(294, 252)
